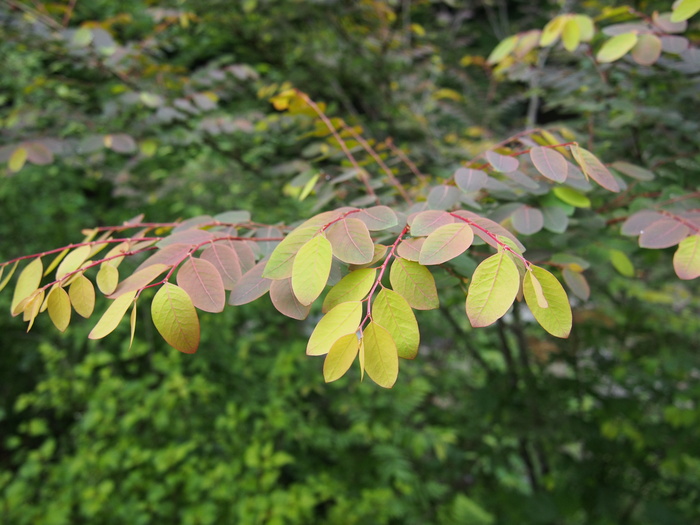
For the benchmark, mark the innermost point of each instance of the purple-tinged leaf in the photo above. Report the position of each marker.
(426, 222)
(410, 248)
(120, 142)
(470, 180)
(194, 222)
(638, 222)
(38, 154)
(550, 163)
(577, 283)
(246, 255)
(233, 217)
(377, 218)
(192, 237)
(443, 197)
(527, 220)
(171, 255)
(647, 50)
(636, 172)
(202, 282)
(226, 262)
(686, 260)
(555, 219)
(250, 286)
(445, 243)
(502, 163)
(284, 300)
(351, 241)
(138, 280)
(594, 169)
(663, 233)
(674, 44)
(482, 225)
(268, 232)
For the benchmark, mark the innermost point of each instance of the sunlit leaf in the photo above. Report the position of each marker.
(663, 233)
(502, 50)
(617, 47)
(621, 263)
(284, 300)
(353, 287)
(351, 241)
(547, 301)
(571, 35)
(586, 28)
(502, 163)
(107, 279)
(340, 357)
(426, 222)
(415, 283)
(8, 276)
(73, 261)
(410, 248)
(552, 30)
(549, 163)
(139, 279)
(59, 308)
(175, 318)
(686, 260)
(282, 258)
(32, 307)
(112, 316)
(445, 243)
(638, 222)
(572, 197)
(593, 168)
(311, 269)
(492, 290)
(250, 286)
(82, 296)
(27, 283)
(132, 325)
(381, 356)
(391, 311)
(684, 9)
(341, 320)
(202, 282)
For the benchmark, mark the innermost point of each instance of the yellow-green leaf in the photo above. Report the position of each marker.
(340, 357)
(552, 30)
(502, 50)
(493, 288)
(686, 260)
(8, 276)
(82, 295)
(311, 268)
(445, 243)
(381, 357)
(415, 283)
(73, 261)
(353, 287)
(617, 47)
(547, 300)
(342, 320)
(59, 308)
(107, 279)
(571, 35)
(572, 197)
(622, 263)
(17, 159)
(27, 283)
(585, 25)
(32, 306)
(280, 264)
(110, 319)
(175, 318)
(351, 241)
(132, 325)
(684, 10)
(138, 280)
(391, 311)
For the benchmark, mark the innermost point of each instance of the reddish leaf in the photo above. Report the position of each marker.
(285, 301)
(250, 286)
(663, 234)
(410, 248)
(191, 237)
(38, 154)
(351, 241)
(638, 222)
(377, 218)
(426, 222)
(171, 255)
(549, 163)
(594, 169)
(226, 262)
(502, 163)
(202, 282)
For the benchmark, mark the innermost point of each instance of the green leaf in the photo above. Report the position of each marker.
(82, 296)
(552, 30)
(586, 28)
(202, 282)
(593, 168)
(17, 159)
(445, 243)
(284, 300)
(502, 50)
(342, 320)
(353, 287)
(110, 319)
(381, 357)
(621, 263)
(684, 9)
(549, 163)
(27, 283)
(107, 279)
(572, 197)
(686, 260)
(59, 308)
(311, 269)
(571, 35)
(617, 47)
(415, 283)
(493, 288)
(8, 276)
(547, 301)
(351, 241)
(391, 311)
(175, 318)
(281, 261)
(340, 357)
(470, 180)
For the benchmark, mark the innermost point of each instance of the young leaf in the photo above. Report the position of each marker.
(445, 243)
(616, 47)
(107, 278)
(27, 283)
(284, 300)
(527, 220)
(138, 280)
(415, 283)
(586, 28)
(391, 311)
(552, 30)
(311, 269)
(378, 218)
(577, 283)
(502, 50)
(571, 35)
(541, 288)
(594, 169)
(32, 307)
(251, 286)
(426, 222)
(132, 325)
(572, 197)
(73, 261)
(282, 258)
(647, 50)
(684, 9)
(342, 320)
(351, 241)
(82, 296)
(353, 287)
(59, 308)
(8, 276)
(493, 288)
(621, 263)
(189, 237)
(410, 248)
(171, 255)
(663, 233)
(549, 163)
(340, 357)
(469, 180)
(110, 319)
(381, 357)
(202, 282)
(686, 260)
(175, 318)
(225, 260)
(502, 163)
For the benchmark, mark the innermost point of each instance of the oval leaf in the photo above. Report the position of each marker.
(547, 300)
(469, 180)
(27, 283)
(410, 248)
(686, 260)
(415, 283)
(381, 357)
(550, 163)
(663, 233)
(353, 287)
(59, 308)
(647, 50)
(577, 283)
(502, 163)
(426, 222)
(138, 280)
(283, 299)
(82, 296)
(175, 318)
(593, 168)
(351, 241)
(282, 258)
(493, 288)
(110, 319)
(202, 282)
(311, 268)
(378, 218)
(226, 262)
(445, 243)
(391, 311)
(340, 357)
(617, 47)
(527, 220)
(342, 320)
(251, 286)
(107, 279)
